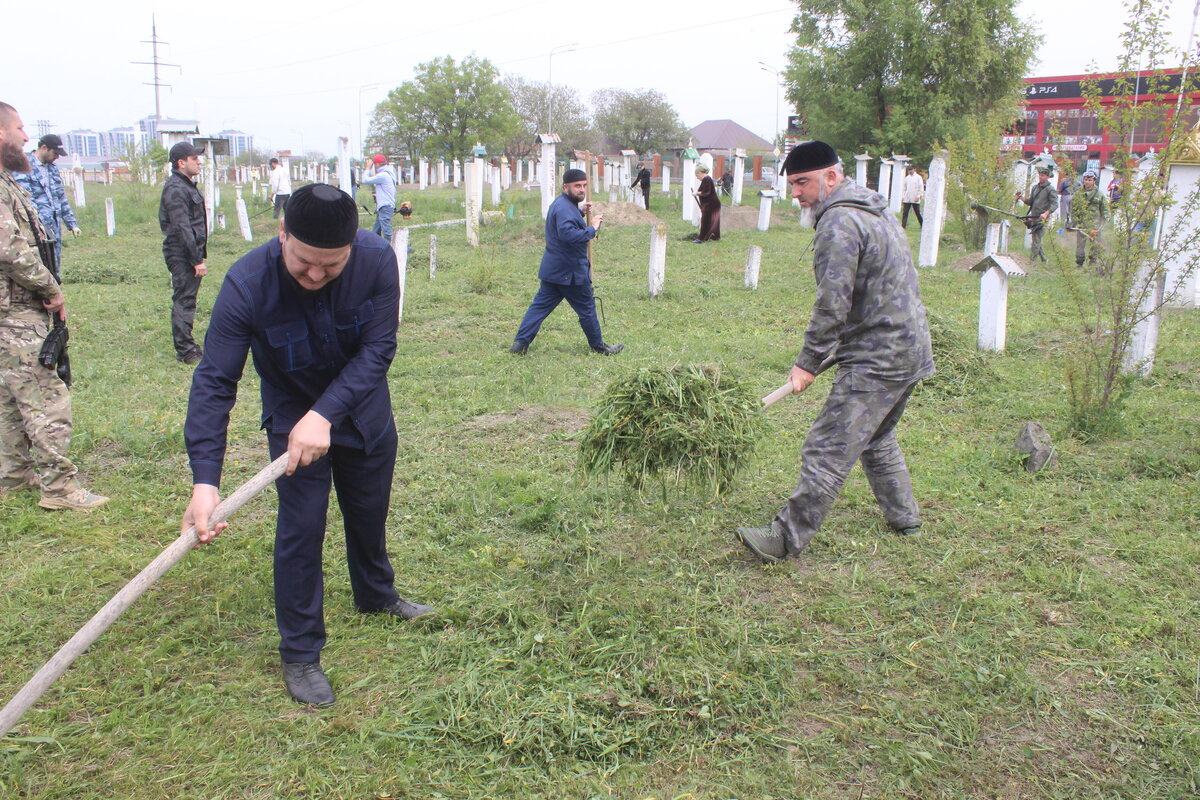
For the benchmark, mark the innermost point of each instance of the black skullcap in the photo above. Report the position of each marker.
(810, 156)
(574, 176)
(322, 216)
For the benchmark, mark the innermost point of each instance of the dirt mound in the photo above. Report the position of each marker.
(622, 213)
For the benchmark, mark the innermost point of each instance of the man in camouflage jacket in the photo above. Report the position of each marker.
(35, 408)
(184, 223)
(1042, 202)
(44, 184)
(868, 319)
(1089, 210)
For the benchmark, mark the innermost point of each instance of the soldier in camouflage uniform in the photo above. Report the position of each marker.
(868, 319)
(1089, 210)
(35, 408)
(45, 186)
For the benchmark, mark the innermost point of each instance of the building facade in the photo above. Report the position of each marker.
(1056, 119)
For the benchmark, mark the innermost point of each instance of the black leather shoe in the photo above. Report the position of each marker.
(403, 609)
(306, 683)
(608, 349)
(520, 348)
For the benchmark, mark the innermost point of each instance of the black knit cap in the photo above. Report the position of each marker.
(574, 176)
(322, 216)
(810, 156)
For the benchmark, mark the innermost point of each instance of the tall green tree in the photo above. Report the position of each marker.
(640, 120)
(531, 101)
(446, 109)
(901, 75)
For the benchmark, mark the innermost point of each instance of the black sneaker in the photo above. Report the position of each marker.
(306, 683)
(519, 347)
(608, 349)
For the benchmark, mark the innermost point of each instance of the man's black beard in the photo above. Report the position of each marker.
(13, 158)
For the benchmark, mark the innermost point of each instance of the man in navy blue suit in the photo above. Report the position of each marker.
(318, 309)
(566, 272)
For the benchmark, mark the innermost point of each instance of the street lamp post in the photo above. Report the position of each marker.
(562, 48)
(768, 68)
(362, 89)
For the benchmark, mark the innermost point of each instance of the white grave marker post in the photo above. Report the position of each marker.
(935, 212)
(506, 173)
(1182, 289)
(243, 215)
(221, 220)
(993, 291)
(210, 194)
(658, 258)
(691, 209)
(764, 210)
(497, 188)
(1138, 358)
(77, 181)
(884, 187)
(110, 216)
(458, 176)
(739, 175)
(217, 195)
(432, 256)
(896, 195)
(546, 176)
(472, 217)
(400, 248)
(666, 178)
(753, 262)
(422, 174)
(343, 165)
(860, 169)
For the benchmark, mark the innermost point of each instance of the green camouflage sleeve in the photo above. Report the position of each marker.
(19, 259)
(837, 246)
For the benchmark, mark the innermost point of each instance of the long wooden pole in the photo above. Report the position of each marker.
(105, 617)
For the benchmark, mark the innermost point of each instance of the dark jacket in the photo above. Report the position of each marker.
(327, 351)
(868, 309)
(566, 258)
(1041, 199)
(182, 220)
(641, 179)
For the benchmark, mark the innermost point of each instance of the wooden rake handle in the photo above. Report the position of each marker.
(105, 617)
(777, 395)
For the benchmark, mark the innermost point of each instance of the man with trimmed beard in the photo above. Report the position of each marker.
(35, 407)
(868, 320)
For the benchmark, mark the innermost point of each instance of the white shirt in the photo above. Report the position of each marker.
(281, 182)
(914, 189)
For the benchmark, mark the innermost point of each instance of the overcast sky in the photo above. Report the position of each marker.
(295, 74)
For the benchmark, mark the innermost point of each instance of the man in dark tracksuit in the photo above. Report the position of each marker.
(643, 180)
(318, 309)
(868, 319)
(566, 272)
(1042, 202)
(185, 237)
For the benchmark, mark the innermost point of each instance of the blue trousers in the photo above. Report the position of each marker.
(364, 490)
(383, 222)
(547, 299)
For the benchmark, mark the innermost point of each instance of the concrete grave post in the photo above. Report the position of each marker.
(546, 176)
(739, 175)
(753, 262)
(243, 214)
(1138, 358)
(935, 212)
(423, 174)
(110, 216)
(506, 173)
(210, 193)
(496, 185)
(217, 195)
(993, 291)
(666, 178)
(1182, 289)
(884, 187)
(474, 204)
(860, 169)
(400, 248)
(691, 209)
(458, 177)
(658, 258)
(766, 198)
(896, 194)
(221, 220)
(432, 256)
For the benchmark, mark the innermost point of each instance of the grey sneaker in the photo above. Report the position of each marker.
(911, 530)
(78, 500)
(306, 683)
(402, 608)
(764, 543)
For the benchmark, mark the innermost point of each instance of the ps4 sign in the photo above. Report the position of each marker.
(1108, 87)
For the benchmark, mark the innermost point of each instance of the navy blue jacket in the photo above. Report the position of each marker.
(566, 260)
(327, 351)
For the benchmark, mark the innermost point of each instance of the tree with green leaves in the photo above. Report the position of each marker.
(640, 120)
(446, 109)
(902, 75)
(531, 102)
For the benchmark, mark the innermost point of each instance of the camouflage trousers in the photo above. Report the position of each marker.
(858, 422)
(35, 412)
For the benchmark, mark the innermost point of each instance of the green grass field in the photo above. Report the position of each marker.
(1039, 640)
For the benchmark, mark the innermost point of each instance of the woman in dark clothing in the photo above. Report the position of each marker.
(710, 207)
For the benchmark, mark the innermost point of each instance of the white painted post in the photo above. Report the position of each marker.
(400, 248)
(458, 173)
(993, 297)
(243, 215)
(506, 173)
(546, 176)
(764, 210)
(108, 174)
(422, 174)
(884, 187)
(753, 262)
(217, 195)
(497, 188)
(1139, 355)
(860, 169)
(432, 256)
(658, 258)
(472, 177)
(343, 165)
(1182, 288)
(666, 178)
(1005, 230)
(739, 176)
(896, 196)
(210, 195)
(221, 220)
(935, 212)
(691, 209)
(77, 181)
(110, 216)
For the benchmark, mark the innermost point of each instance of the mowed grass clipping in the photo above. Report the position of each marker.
(1039, 640)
